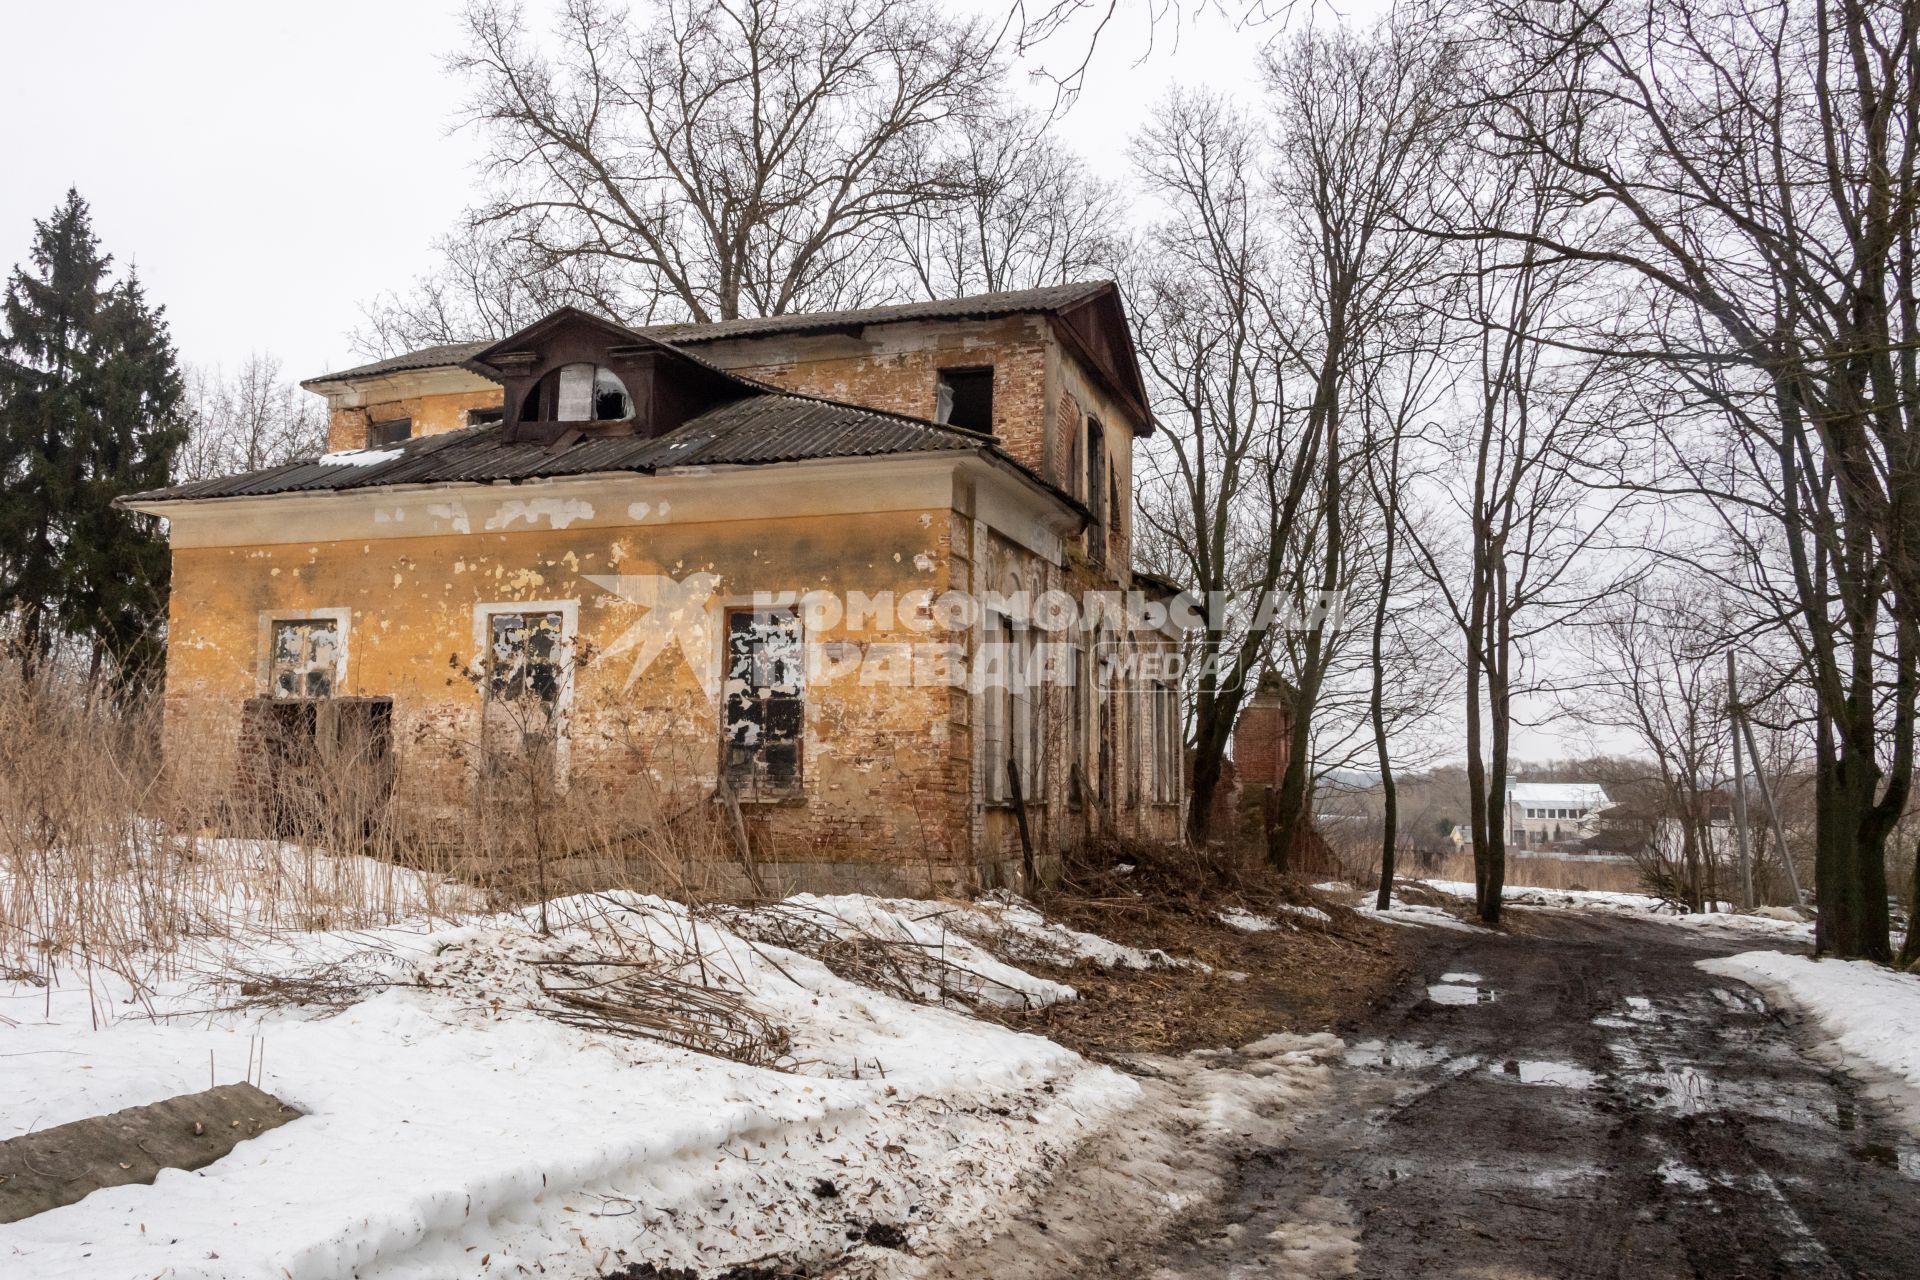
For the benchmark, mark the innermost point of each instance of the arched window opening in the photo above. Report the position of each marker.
(579, 392)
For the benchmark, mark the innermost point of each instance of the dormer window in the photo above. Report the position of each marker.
(386, 434)
(578, 392)
(964, 398)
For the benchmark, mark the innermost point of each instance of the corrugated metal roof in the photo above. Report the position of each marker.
(980, 306)
(756, 429)
(439, 356)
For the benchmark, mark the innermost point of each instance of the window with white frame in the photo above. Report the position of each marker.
(765, 703)
(304, 656)
(524, 684)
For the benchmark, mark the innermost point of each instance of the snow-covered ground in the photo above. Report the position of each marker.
(1725, 921)
(473, 1109)
(1867, 1016)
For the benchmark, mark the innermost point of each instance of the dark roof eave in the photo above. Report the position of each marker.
(152, 501)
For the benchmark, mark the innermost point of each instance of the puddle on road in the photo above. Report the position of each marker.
(1565, 1075)
(1394, 1055)
(1459, 993)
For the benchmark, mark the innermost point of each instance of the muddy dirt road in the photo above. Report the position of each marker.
(1579, 1104)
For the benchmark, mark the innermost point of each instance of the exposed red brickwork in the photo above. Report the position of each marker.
(895, 368)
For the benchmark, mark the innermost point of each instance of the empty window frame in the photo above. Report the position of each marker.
(306, 655)
(964, 398)
(389, 432)
(578, 392)
(765, 711)
(486, 417)
(1169, 743)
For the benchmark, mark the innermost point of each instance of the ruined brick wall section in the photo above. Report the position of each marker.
(1262, 743)
(431, 415)
(895, 368)
(1082, 395)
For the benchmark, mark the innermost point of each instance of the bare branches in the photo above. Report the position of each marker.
(728, 159)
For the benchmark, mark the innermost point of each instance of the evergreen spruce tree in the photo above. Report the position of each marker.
(117, 566)
(89, 410)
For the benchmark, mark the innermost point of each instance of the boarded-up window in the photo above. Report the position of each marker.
(304, 659)
(525, 659)
(765, 703)
(1095, 491)
(383, 435)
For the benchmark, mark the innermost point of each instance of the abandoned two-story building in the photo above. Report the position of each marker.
(846, 568)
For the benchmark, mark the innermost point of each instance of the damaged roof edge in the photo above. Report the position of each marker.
(164, 506)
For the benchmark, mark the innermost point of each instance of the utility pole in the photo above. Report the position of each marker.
(1773, 811)
(1739, 790)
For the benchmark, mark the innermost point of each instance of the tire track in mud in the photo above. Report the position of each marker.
(1578, 1103)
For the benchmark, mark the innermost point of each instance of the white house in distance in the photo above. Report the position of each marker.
(1542, 815)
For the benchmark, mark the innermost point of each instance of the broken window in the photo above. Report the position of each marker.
(384, 435)
(765, 703)
(317, 767)
(524, 680)
(525, 659)
(964, 398)
(304, 660)
(578, 392)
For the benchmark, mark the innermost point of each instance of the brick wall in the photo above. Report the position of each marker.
(895, 368)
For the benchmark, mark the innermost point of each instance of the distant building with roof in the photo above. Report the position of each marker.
(1548, 815)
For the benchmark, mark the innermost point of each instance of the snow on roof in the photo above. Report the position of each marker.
(1585, 794)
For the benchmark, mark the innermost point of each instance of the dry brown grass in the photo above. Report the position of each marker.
(1304, 976)
(110, 861)
(1545, 871)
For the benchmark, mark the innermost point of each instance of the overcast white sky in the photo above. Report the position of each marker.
(271, 167)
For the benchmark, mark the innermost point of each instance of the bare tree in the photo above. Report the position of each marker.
(488, 283)
(248, 421)
(1509, 467)
(1361, 121)
(735, 158)
(1229, 472)
(1027, 213)
(1755, 161)
(1658, 677)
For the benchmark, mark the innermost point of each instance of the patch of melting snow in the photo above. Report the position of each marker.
(1461, 977)
(1683, 1176)
(359, 457)
(1452, 993)
(1246, 921)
